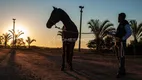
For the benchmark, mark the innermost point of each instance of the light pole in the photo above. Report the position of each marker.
(13, 32)
(81, 7)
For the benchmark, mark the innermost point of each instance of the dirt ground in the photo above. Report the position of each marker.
(45, 64)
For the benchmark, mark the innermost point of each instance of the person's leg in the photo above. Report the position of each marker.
(123, 58)
(122, 50)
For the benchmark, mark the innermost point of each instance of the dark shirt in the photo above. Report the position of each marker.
(123, 31)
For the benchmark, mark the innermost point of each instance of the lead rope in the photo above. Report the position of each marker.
(64, 30)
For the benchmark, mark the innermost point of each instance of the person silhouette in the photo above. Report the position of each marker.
(122, 34)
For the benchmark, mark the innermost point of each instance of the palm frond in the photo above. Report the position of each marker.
(139, 34)
(93, 24)
(134, 25)
(103, 24)
(32, 40)
(11, 31)
(29, 40)
(139, 26)
(107, 26)
(139, 29)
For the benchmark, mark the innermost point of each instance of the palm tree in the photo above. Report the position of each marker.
(137, 30)
(20, 42)
(16, 36)
(99, 29)
(6, 38)
(29, 41)
(1, 39)
(137, 33)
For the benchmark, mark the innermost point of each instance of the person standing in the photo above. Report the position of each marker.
(122, 34)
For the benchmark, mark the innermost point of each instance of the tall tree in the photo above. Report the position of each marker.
(1, 39)
(137, 30)
(20, 42)
(99, 29)
(6, 38)
(29, 41)
(16, 36)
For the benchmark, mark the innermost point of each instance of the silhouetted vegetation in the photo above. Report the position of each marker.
(18, 41)
(6, 38)
(99, 29)
(16, 36)
(91, 44)
(109, 42)
(137, 30)
(106, 44)
(137, 34)
(103, 42)
(29, 41)
(1, 39)
(60, 33)
(135, 48)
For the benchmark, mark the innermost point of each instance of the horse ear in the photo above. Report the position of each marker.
(54, 7)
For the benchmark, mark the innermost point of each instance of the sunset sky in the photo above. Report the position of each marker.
(32, 15)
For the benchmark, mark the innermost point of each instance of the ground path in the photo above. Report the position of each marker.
(42, 64)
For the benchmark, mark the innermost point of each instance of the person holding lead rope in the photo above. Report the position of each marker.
(122, 34)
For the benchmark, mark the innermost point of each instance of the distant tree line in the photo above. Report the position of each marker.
(17, 43)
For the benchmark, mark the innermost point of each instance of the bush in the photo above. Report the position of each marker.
(134, 48)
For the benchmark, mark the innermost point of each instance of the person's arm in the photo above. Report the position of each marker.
(128, 32)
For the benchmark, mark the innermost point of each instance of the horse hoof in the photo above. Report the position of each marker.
(71, 69)
(62, 69)
(120, 75)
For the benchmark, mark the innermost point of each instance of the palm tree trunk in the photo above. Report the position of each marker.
(98, 43)
(5, 43)
(29, 45)
(135, 43)
(97, 48)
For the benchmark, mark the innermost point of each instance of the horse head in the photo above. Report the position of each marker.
(54, 18)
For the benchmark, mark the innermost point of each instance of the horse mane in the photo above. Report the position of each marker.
(64, 13)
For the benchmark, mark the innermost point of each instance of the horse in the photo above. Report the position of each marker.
(69, 34)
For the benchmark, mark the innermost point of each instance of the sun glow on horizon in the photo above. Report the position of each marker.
(18, 28)
(23, 29)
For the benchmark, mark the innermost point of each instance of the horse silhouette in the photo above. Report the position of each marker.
(69, 34)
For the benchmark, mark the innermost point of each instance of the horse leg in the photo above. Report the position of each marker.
(71, 54)
(68, 53)
(63, 56)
